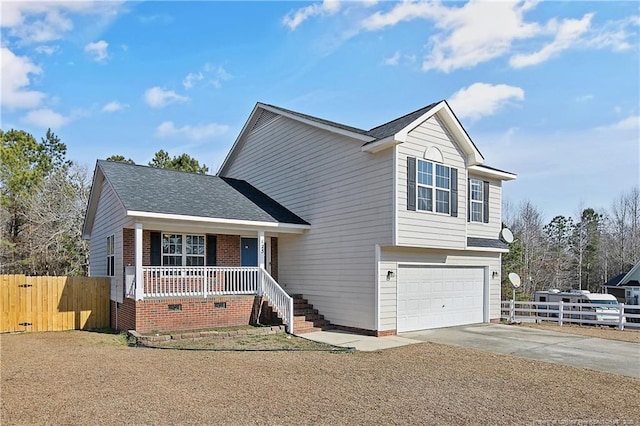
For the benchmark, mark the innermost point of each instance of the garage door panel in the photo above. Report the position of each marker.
(433, 297)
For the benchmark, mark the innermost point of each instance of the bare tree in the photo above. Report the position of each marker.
(528, 252)
(55, 216)
(620, 248)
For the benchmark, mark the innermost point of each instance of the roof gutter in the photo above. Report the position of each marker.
(381, 144)
(283, 227)
(484, 171)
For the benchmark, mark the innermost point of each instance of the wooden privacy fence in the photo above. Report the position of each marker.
(53, 303)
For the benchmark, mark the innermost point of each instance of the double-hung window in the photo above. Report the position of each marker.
(433, 183)
(183, 250)
(443, 188)
(111, 256)
(195, 250)
(476, 200)
(425, 185)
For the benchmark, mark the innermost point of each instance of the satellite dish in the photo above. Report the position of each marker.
(506, 235)
(515, 279)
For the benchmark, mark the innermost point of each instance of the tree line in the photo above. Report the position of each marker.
(581, 252)
(44, 196)
(43, 200)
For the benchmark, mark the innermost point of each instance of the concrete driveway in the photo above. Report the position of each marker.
(561, 348)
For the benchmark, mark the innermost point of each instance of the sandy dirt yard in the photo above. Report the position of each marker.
(88, 378)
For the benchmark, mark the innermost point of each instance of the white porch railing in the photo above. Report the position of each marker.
(621, 316)
(207, 281)
(203, 281)
(279, 299)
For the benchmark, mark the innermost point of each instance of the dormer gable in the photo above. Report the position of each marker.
(444, 114)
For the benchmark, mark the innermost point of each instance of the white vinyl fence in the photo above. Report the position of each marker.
(620, 316)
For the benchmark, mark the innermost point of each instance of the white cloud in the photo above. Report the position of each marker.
(114, 106)
(98, 50)
(482, 99)
(45, 117)
(47, 50)
(471, 36)
(296, 17)
(196, 133)
(467, 35)
(567, 33)
(191, 78)
(631, 123)
(15, 77)
(157, 97)
(393, 59)
(39, 22)
(219, 75)
(405, 11)
(615, 35)
(209, 73)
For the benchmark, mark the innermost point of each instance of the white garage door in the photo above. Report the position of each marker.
(434, 297)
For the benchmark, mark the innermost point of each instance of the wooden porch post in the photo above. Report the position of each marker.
(138, 262)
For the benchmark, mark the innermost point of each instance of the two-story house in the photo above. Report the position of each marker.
(383, 231)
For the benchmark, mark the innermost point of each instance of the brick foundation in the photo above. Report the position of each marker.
(123, 315)
(196, 313)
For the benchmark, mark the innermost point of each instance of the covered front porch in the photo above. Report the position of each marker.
(177, 264)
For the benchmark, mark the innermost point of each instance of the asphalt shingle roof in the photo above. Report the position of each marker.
(486, 243)
(320, 120)
(394, 126)
(148, 189)
(379, 132)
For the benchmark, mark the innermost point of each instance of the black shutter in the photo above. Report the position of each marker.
(485, 207)
(454, 192)
(468, 200)
(411, 183)
(156, 249)
(211, 250)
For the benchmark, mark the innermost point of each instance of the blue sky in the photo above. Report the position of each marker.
(547, 90)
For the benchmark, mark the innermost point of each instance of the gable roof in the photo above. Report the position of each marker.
(144, 190)
(394, 126)
(318, 120)
(626, 279)
(377, 138)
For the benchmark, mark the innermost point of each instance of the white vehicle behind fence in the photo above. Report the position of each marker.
(599, 307)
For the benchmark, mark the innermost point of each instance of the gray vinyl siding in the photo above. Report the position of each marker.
(347, 197)
(109, 219)
(491, 229)
(391, 256)
(429, 229)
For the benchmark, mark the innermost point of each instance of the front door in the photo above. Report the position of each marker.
(248, 252)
